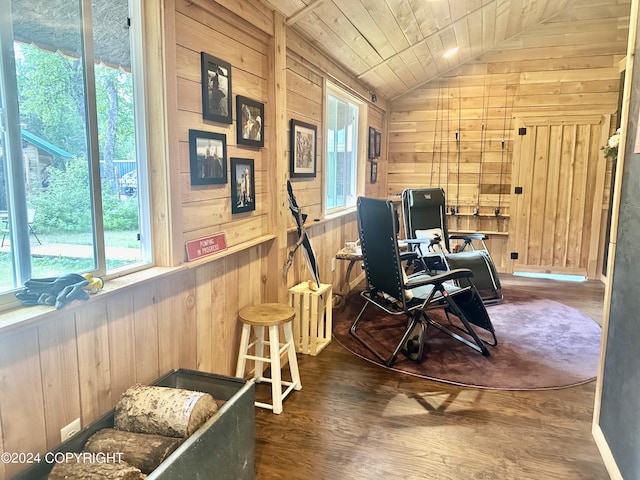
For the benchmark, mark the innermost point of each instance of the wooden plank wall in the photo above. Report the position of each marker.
(552, 70)
(305, 102)
(206, 209)
(557, 218)
(76, 362)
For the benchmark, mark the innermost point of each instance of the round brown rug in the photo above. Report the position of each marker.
(542, 344)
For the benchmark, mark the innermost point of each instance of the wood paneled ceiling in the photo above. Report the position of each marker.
(394, 46)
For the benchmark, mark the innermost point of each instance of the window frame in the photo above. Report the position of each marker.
(361, 153)
(16, 194)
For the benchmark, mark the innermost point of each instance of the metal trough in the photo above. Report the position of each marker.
(222, 448)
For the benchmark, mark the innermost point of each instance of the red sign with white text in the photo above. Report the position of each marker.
(206, 246)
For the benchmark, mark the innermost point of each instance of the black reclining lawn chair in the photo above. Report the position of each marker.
(389, 289)
(425, 225)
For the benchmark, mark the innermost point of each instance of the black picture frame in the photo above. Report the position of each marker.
(207, 157)
(302, 146)
(243, 185)
(373, 178)
(216, 89)
(371, 150)
(378, 143)
(249, 122)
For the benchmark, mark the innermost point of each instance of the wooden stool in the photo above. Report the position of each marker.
(270, 315)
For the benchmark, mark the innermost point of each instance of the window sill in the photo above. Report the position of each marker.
(328, 218)
(341, 213)
(21, 317)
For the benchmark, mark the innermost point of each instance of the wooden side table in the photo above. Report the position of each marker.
(353, 258)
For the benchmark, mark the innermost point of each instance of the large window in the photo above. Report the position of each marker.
(72, 156)
(343, 147)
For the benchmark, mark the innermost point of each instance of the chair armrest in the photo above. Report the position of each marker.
(407, 256)
(423, 241)
(416, 241)
(469, 236)
(420, 280)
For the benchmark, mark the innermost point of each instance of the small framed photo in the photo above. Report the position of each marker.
(250, 122)
(243, 185)
(371, 150)
(374, 172)
(216, 89)
(378, 142)
(207, 157)
(302, 146)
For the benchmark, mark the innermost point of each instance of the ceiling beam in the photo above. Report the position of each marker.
(301, 13)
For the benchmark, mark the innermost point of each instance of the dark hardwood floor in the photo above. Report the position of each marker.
(355, 420)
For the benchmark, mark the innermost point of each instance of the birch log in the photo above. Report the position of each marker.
(171, 412)
(141, 450)
(95, 471)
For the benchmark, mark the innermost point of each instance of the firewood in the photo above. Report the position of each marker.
(95, 471)
(171, 412)
(141, 450)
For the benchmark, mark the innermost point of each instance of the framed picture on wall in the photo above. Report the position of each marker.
(378, 143)
(249, 122)
(207, 157)
(374, 172)
(302, 147)
(371, 150)
(243, 185)
(216, 89)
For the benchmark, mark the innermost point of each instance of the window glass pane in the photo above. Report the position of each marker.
(55, 163)
(116, 133)
(342, 153)
(51, 221)
(332, 177)
(7, 277)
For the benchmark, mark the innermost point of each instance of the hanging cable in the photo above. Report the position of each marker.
(447, 147)
(509, 130)
(498, 210)
(476, 211)
(441, 131)
(504, 130)
(435, 132)
(458, 138)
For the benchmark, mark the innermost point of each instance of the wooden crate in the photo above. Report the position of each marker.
(312, 324)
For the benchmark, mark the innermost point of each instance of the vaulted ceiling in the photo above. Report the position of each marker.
(394, 46)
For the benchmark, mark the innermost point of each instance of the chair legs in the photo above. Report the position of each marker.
(413, 348)
(34, 234)
(5, 229)
(477, 344)
(31, 230)
(412, 342)
(391, 359)
(473, 308)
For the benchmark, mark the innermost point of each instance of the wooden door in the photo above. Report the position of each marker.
(558, 180)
